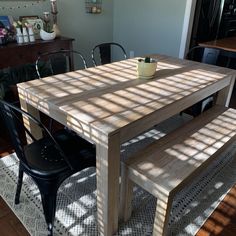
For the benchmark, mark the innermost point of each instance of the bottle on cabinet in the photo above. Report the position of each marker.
(19, 36)
(31, 33)
(25, 35)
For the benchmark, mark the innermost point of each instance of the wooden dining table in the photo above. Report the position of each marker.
(225, 47)
(109, 105)
(227, 44)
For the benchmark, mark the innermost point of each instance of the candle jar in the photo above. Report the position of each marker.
(54, 11)
(94, 9)
(25, 35)
(31, 34)
(19, 36)
(18, 31)
(53, 6)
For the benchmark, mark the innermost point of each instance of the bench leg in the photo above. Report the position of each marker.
(126, 194)
(162, 215)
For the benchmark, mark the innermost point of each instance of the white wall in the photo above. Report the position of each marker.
(149, 26)
(87, 29)
(187, 27)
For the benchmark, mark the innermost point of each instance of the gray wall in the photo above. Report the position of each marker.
(143, 26)
(149, 26)
(36, 9)
(86, 29)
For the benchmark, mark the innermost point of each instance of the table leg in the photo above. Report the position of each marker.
(224, 95)
(108, 172)
(34, 129)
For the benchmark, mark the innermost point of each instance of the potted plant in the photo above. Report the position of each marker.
(47, 33)
(3, 36)
(146, 67)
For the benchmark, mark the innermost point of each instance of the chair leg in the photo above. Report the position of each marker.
(48, 190)
(49, 208)
(51, 125)
(126, 194)
(19, 185)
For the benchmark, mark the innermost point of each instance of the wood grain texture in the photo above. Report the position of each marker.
(222, 222)
(9, 223)
(109, 101)
(228, 44)
(108, 172)
(167, 165)
(14, 54)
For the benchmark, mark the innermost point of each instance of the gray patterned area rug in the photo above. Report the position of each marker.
(76, 206)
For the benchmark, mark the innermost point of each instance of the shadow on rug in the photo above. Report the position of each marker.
(76, 206)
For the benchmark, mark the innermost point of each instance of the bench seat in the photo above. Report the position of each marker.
(169, 164)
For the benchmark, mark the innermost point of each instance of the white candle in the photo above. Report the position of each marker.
(94, 9)
(54, 6)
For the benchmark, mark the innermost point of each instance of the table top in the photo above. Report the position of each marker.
(228, 44)
(109, 98)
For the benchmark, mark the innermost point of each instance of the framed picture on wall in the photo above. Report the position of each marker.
(23, 18)
(6, 22)
(36, 23)
(7, 31)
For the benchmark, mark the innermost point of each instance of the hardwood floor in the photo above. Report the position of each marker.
(223, 220)
(221, 223)
(9, 223)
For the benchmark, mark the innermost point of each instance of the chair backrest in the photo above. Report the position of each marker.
(13, 118)
(57, 62)
(208, 56)
(229, 28)
(203, 54)
(103, 53)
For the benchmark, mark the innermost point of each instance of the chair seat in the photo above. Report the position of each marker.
(49, 160)
(44, 159)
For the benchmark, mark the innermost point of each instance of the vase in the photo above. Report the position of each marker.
(47, 36)
(56, 30)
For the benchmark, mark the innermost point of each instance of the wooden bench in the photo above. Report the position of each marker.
(170, 163)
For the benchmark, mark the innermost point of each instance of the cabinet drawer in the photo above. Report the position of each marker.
(51, 47)
(11, 58)
(19, 54)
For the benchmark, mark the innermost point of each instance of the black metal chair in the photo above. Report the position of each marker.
(208, 56)
(203, 54)
(58, 62)
(49, 160)
(103, 53)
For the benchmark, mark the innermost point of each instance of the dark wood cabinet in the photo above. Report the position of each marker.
(14, 54)
(20, 59)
